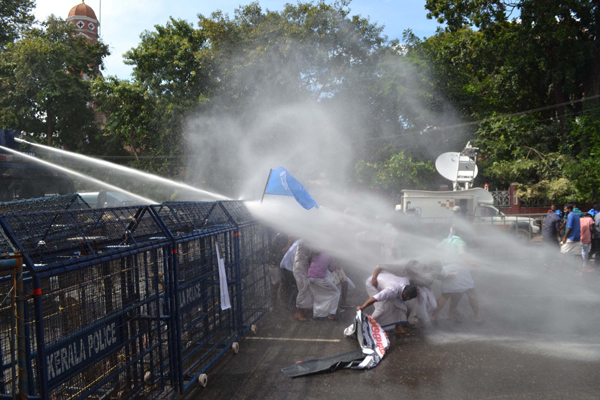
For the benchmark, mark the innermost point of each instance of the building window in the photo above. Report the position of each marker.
(91, 26)
(80, 24)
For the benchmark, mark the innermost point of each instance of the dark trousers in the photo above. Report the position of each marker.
(595, 250)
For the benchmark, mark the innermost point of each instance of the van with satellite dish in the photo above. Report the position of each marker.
(476, 204)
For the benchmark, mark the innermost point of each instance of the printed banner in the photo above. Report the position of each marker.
(373, 342)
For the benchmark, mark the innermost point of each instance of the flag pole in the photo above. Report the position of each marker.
(266, 185)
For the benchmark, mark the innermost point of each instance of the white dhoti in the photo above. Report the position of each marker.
(326, 296)
(304, 298)
(300, 269)
(571, 247)
(388, 313)
(422, 307)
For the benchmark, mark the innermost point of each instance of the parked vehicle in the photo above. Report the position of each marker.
(477, 205)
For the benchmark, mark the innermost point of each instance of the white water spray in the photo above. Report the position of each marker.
(131, 171)
(144, 200)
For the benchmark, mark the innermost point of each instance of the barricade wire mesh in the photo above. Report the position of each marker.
(104, 335)
(238, 212)
(255, 284)
(51, 238)
(205, 328)
(55, 203)
(6, 334)
(183, 218)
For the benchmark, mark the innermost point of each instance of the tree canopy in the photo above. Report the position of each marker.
(15, 18)
(42, 90)
(325, 89)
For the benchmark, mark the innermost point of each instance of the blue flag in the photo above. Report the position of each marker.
(283, 184)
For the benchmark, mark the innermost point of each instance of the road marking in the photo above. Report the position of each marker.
(293, 339)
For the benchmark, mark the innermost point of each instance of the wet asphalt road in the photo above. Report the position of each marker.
(513, 355)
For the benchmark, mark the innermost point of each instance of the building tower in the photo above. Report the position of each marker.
(86, 24)
(85, 21)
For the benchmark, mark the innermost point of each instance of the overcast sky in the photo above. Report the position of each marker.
(122, 21)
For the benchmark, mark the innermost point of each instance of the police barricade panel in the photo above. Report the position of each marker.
(52, 239)
(130, 301)
(105, 330)
(205, 327)
(253, 246)
(254, 273)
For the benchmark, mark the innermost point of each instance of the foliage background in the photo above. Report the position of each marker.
(324, 91)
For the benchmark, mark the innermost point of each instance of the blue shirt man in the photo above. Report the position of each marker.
(573, 227)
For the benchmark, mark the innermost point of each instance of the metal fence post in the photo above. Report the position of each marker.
(177, 330)
(22, 360)
(42, 366)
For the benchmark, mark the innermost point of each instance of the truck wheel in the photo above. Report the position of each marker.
(523, 235)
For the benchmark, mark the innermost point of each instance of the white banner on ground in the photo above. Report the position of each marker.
(373, 343)
(225, 302)
(371, 337)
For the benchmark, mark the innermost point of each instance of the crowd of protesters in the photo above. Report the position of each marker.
(310, 283)
(574, 233)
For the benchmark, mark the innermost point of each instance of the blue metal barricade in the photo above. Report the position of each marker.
(205, 329)
(251, 244)
(100, 303)
(126, 302)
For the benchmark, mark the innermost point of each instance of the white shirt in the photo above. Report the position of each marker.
(460, 283)
(390, 286)
(287, 261)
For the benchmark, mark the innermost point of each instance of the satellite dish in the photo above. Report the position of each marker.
(447, 165)
(460, 168)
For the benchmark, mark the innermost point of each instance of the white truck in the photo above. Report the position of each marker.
(476, 204)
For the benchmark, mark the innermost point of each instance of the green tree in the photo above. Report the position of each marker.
(15, 17)
(396, 173)
(547, 59)
(171, 80)
(41, 87)
(237, 65)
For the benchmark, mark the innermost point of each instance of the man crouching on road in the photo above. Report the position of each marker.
(388, 293)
